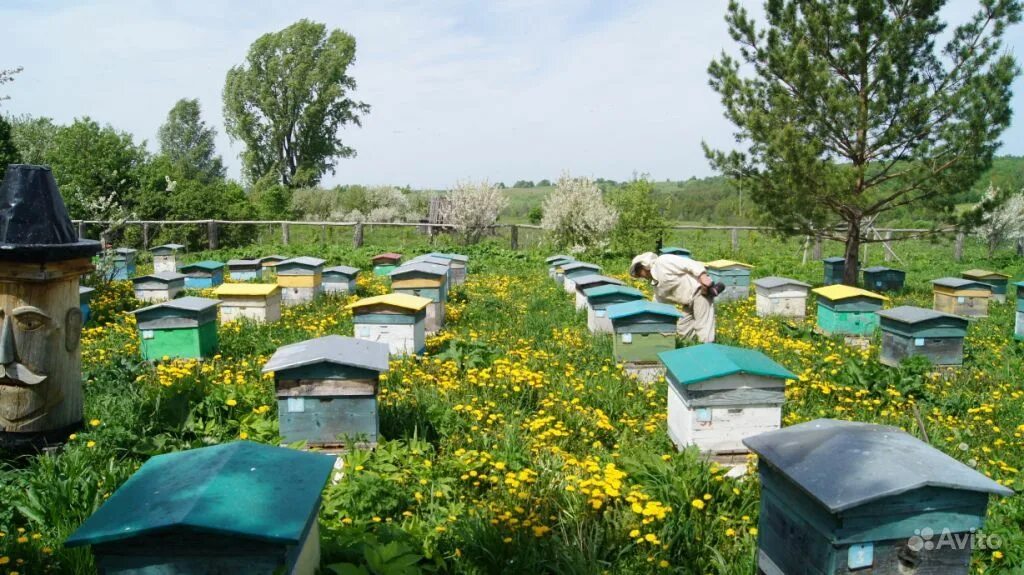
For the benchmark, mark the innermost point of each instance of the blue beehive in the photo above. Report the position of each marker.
(239, 507)
(555, 264)
(583, 283)
(123, 260)
(1019, 327)
(839, 497)
(339, 279)
(676, 251)
(327, 390)
(600, 298)
(574, 270)
(204, 274)
(834, 268)
(883, 279)
(245, 270)
(84, 301)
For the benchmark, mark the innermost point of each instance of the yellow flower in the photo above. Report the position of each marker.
(243, 435)
(697, 503)
(634, 533)
(91, 444)
(94, 422)
(707, 497)
(22, 539)
(663, 564)
(5, 560)
(730, 532)
(231, 403)
(997, 555)
(753, 530)
(73, 436)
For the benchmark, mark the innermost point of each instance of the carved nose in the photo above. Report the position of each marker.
(8, 352)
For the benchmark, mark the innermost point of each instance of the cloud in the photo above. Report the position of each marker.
(516, 89)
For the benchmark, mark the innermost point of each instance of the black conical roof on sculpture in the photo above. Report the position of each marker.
(34, 224)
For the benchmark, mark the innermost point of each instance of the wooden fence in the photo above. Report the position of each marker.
(212, 228)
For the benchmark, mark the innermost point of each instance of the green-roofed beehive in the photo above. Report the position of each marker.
(185, 327)
(239, 507)
(781, 297)
(909, 331)
(676, 251)
(583, 283)
(719, 395)
(734, 275)
(641, 330)
(848, 498)
(884, 279)
(554, 263)
(600, 298)
(575, 270)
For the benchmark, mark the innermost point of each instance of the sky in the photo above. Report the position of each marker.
(500, 90)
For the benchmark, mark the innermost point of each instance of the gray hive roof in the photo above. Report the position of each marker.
(274, 257)
(427, 259)
(772, 282)
(876, 269)
(914, 314)
(845, 464)
(171, 247)
(334, 349)
(125, 251)
(592, 279)
(190, 303)
(420, 266)
(85, 289)
(346, 270)
(552, 259)
(241, 262)
(957, 283)
(580, 265)
(834, 260)
(160, 276)
(304, 261)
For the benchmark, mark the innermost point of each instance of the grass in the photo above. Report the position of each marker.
(516, 444)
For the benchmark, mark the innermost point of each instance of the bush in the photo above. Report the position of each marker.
(641, 220)
(576, 215)
(473, 207)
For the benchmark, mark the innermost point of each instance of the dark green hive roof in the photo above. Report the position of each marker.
(601, 291)
(242, 489)
(208, 265)
(699, 363)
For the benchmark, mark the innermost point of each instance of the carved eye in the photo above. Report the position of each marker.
(30, 319)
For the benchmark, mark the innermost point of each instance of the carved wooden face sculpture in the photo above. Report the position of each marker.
(40, 367)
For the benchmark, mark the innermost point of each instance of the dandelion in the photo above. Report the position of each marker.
(697, 503)
(231, 403)
(94, 422)
(90, 444)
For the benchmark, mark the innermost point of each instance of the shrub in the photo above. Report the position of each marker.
(576, 215)
(473, 207)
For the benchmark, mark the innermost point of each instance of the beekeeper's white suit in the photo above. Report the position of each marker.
(675, 281)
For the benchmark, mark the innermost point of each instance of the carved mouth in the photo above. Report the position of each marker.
(18, 374)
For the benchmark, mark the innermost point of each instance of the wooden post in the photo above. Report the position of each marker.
(735, 237)
(514, 235)
(817, 248)
(284, 233)
(357, 236)
(211, 234)
(81, 230)
(887, 247)
(145, 236)
(958, 247)
(1020, 247)
(323, 234)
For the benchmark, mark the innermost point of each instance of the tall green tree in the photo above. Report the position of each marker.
(8, 151)
(188, 142)
(34, 138)
(641, 217)
(289, 101)
(847, 109)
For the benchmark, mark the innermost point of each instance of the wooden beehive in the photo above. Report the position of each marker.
(459, 266)
(600, 298)
(269, 265)
(123, 264)
(676, 251)
(999, 281)
(300, 279)
(846, 310)
(179, 328)
(84, 302)
(884, 279)
(573, 270)
(245, 270)
(239, 507)
(449, 271)
(782, 297)
(735, 276)
(204, 274)
(586, 282)
(642, 329)
(340, 279)
(1019, 325)
(909, 331)
(158, 287)
(720, 395)
(165, 257)
(327, 390)
(958, 296)
(424, 280)
(258, 302)
(834, 268)
(385, 263)
(840, 497)
(397, 319)
(555, 264)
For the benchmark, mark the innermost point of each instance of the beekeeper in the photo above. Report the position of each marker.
(684, 283)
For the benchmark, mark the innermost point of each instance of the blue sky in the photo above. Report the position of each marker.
(498, 90)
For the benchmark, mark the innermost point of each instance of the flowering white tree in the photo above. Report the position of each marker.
(473, 208)
(1003, 224)
(384, 204)
(576, 215)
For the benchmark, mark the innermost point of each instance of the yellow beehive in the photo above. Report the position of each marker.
(259, 302)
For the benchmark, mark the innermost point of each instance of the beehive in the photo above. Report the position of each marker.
(204, 274)
(122, 264)
(719, 395)
(385, 263)
(782, 297)
(158, 287)
(449, 271)
(675, 251)
(459, 265)
(999, 281)
(846, 310)
(909, 331)
(839, 497)
(600, 298)
(300, 279)
(340, 279)
(555, 264)
(239, 507)
(735, 276)
(245, 270)
(883, 279)
(586, 282)
(397, 319)
(327, 390)
(958, 296)
(834, 268)
(576, 270)
(84, 302)
(165, 257)
(269, 265)
(424, 280)
(258, 302)
(1019, 326)
(184, 327)
(642, 329)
